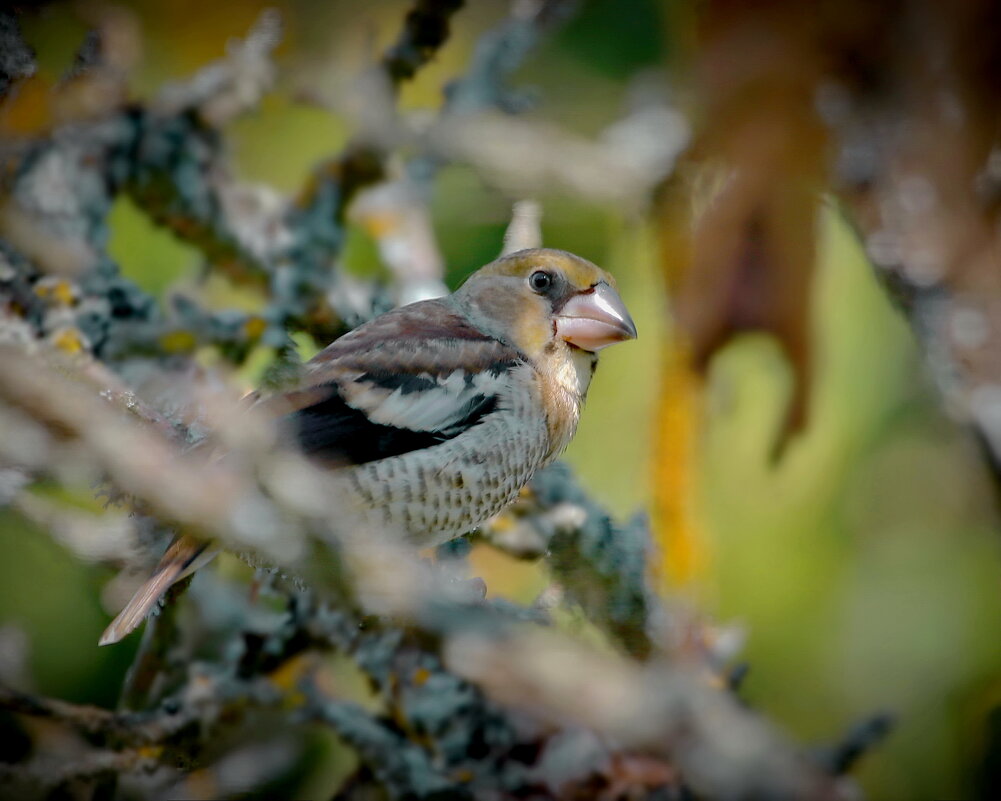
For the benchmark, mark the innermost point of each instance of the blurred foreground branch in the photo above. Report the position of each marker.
(663, 708)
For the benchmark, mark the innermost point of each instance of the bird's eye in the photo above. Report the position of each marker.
(540, 281)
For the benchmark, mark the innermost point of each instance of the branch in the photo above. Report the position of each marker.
(601, 566)
(499, 53)
(401, 767)
(175, 176)
(721, 749)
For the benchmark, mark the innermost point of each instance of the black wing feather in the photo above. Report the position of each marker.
(404, 353)
(332, 430)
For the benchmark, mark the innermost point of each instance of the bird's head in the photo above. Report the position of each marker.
(535, 298)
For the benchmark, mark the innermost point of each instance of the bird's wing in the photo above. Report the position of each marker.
(409, 379)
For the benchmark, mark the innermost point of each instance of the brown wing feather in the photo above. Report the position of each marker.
(184, 556)
(426, 337)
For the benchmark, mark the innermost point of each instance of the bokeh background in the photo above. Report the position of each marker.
(862, 563)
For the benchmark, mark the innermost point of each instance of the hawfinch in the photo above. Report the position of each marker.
(439, 412)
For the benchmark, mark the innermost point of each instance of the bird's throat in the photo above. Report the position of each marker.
(568, 372)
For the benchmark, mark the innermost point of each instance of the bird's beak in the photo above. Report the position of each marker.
(594, 319)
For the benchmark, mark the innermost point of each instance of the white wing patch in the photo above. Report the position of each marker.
(443, 401)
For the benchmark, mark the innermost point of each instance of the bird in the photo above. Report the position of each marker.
(436, 414)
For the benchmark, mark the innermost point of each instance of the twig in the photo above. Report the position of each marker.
(45, 773)
(17, 59)
(85, 719)
(858, 741)
(525, 229)
(132, 729)
(425, 30)
(151, 662)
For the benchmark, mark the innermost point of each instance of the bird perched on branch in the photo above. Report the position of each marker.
(439, 412)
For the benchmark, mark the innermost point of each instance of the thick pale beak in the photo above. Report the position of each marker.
(595, 319)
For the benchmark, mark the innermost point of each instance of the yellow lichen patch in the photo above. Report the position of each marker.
(150, 751)
(288, 675)
(255, 327)
(678, 527)
(69, 340)
(64, 293)
(179, 341)
(502, 522)
(380, 225)
(56, 290)
(420, 677)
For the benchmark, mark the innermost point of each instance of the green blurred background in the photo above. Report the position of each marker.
(864, 566)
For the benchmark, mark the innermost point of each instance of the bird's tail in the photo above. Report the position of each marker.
(184, 556)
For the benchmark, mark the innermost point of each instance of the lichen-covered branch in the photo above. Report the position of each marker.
(598, 564)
